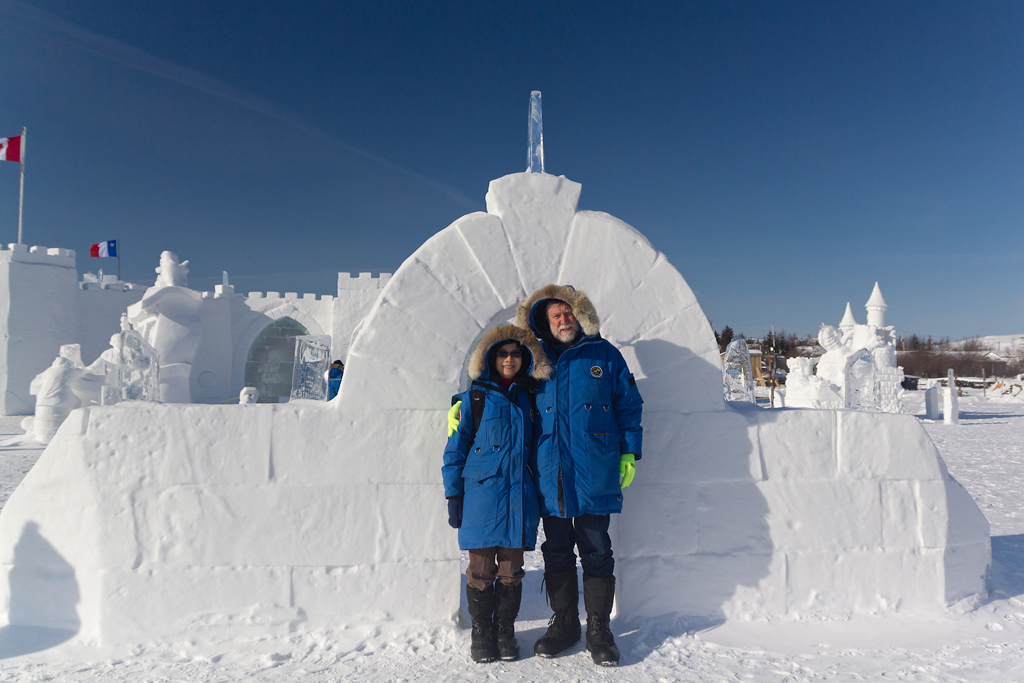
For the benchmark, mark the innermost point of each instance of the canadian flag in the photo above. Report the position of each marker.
(10, 149)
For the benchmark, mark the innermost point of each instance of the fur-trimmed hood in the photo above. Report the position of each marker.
(582, 309)
(538, 366)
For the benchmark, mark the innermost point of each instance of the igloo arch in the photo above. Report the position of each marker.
(181, 520)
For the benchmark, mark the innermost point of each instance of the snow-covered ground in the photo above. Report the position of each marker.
(972, 642)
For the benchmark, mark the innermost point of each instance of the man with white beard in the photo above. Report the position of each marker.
(588, 441)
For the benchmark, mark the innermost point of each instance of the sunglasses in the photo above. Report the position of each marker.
(510, 354)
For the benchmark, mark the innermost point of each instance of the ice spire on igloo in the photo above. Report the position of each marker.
(535, 154)
(876, 308)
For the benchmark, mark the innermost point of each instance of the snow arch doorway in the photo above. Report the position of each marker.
(271, 359)
(471, 276)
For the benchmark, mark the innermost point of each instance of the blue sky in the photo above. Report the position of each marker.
(784, 156)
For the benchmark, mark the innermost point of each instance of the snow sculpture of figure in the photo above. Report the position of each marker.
(56, 396)
(73, 352)
(89, 386)
(109, 365)
(248, 396)
(804, 389)
(834, 366)
(168, 318)
(737, 377)
(170, 273)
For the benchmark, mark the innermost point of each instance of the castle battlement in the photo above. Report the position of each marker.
(51, 256)
(288, 296)
(363, 281)
(104, 281)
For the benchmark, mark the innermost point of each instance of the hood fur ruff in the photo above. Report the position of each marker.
(584, 311)
(478, 361)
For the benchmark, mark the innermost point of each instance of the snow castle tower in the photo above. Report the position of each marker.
(179, 521)
(876, 308)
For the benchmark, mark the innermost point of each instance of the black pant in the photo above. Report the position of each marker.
(589, 533)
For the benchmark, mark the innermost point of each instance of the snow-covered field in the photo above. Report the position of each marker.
(972, 642)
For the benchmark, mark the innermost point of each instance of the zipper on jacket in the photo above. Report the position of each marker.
(561, 497)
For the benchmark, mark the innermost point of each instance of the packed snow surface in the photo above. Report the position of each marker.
(970, 642)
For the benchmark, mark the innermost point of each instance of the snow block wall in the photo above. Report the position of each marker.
(180, 520)
(42, 306)
(38, 288)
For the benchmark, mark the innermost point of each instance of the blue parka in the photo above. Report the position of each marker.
(589, 412)
(495, 472)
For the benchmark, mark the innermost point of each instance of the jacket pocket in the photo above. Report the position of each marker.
(482, 484)
(483, 474)
(603, 460)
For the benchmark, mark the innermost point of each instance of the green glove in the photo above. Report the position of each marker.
(453, 418)
(627, 469)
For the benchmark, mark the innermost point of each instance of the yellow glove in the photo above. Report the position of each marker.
(453, 418)
(627, 469)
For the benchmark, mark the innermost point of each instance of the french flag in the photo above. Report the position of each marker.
(108, 248)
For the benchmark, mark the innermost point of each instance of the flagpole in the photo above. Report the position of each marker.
(21, 192)
(118, 259)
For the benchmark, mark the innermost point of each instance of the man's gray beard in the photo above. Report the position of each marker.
(572, 336)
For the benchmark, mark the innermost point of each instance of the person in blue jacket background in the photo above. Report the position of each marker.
(334, 375)
(587, 443)
(490, 483)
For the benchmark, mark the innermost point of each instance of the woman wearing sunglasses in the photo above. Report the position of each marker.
(490, 483)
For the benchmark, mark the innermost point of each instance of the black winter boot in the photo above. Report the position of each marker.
(598, 598)
(506, 607)
(481, 610)
(564, 628)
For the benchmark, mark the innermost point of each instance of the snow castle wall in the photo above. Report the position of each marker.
(37, 303)
(182, 520)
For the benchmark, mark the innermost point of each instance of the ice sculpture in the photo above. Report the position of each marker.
(168, 318)
(309, 374)
(248, 396)
(737, 377)
(535, 160)
(56, 396)
(860, 383)
(138, 368)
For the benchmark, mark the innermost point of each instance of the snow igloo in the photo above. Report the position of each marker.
(157, 522)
